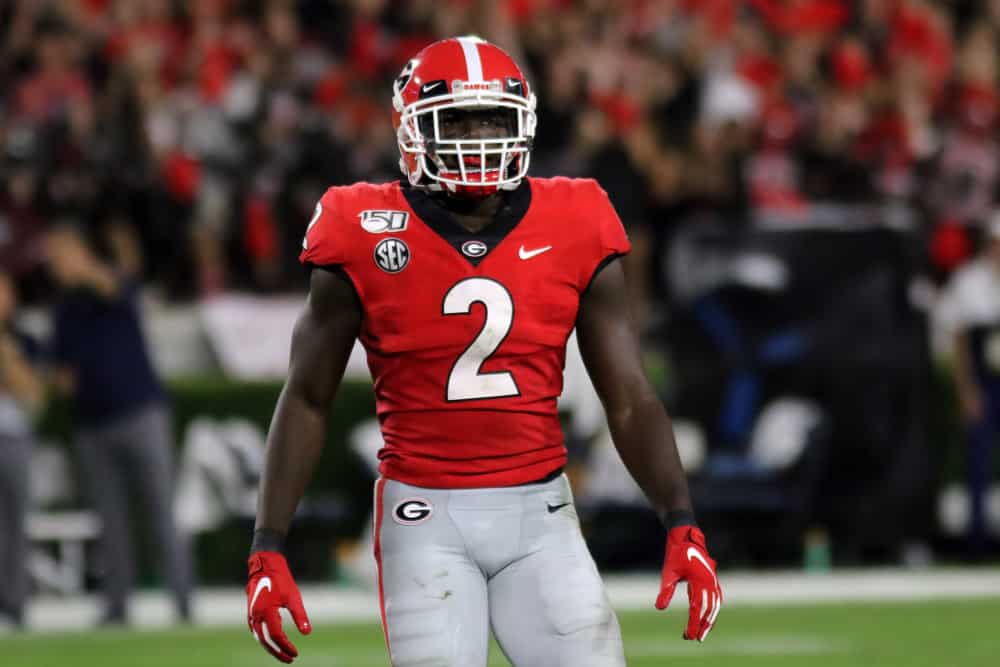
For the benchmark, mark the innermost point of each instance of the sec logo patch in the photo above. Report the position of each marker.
(411, 511)
(392, 255)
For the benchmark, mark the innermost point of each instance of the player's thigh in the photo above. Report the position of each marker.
(433, 596)
(550, 609)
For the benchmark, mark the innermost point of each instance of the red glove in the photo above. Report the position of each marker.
(687, 559)
(270, 588)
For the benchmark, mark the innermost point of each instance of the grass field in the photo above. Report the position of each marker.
(933, 634)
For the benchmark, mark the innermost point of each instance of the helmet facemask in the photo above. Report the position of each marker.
(467, 166)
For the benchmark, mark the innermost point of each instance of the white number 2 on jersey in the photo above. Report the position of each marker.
(465, 382)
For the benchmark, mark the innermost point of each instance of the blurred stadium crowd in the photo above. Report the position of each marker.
(801, 180)
(209, 129)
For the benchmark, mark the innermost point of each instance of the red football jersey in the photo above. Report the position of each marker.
(466, 332)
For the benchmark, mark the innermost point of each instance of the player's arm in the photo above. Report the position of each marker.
(322, 341)
(643, 436)
(321, 344)
(18, 377)
(639, 424)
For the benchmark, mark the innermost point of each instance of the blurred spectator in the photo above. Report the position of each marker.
(21, 222)
(121, 418)
(209, 124)
(967, 173)
(21, 397)
(971, 311)
(57, 90)
(772, 173)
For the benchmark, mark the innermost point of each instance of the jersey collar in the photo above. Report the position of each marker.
(515, 206)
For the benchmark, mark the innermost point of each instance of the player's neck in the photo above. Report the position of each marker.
(473, 214)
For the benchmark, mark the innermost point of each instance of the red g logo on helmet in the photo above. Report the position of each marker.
(464, 73)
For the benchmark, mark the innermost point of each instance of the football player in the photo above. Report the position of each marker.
(463, 283)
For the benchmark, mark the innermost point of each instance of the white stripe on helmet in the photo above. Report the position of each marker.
(473, 64)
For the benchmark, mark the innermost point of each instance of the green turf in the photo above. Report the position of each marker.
(939, 634)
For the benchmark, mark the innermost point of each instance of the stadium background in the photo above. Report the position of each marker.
(800, 179)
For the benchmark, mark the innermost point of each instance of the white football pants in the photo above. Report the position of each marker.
(455, 563)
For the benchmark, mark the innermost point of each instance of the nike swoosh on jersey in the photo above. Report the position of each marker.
(528, 254)
(555, 508)
(693, 553)
(264, 583)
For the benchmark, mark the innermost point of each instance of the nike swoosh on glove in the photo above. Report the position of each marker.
(270, 588)
(687, 559)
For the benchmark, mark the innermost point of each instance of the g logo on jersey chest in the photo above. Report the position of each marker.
(392, 255)
(474, 248)
(411, 511)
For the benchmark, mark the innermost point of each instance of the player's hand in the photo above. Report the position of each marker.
(687, 559)
(270, 588)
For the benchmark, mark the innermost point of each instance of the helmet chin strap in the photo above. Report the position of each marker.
(471, 191)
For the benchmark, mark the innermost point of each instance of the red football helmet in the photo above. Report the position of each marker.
(465, 74)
